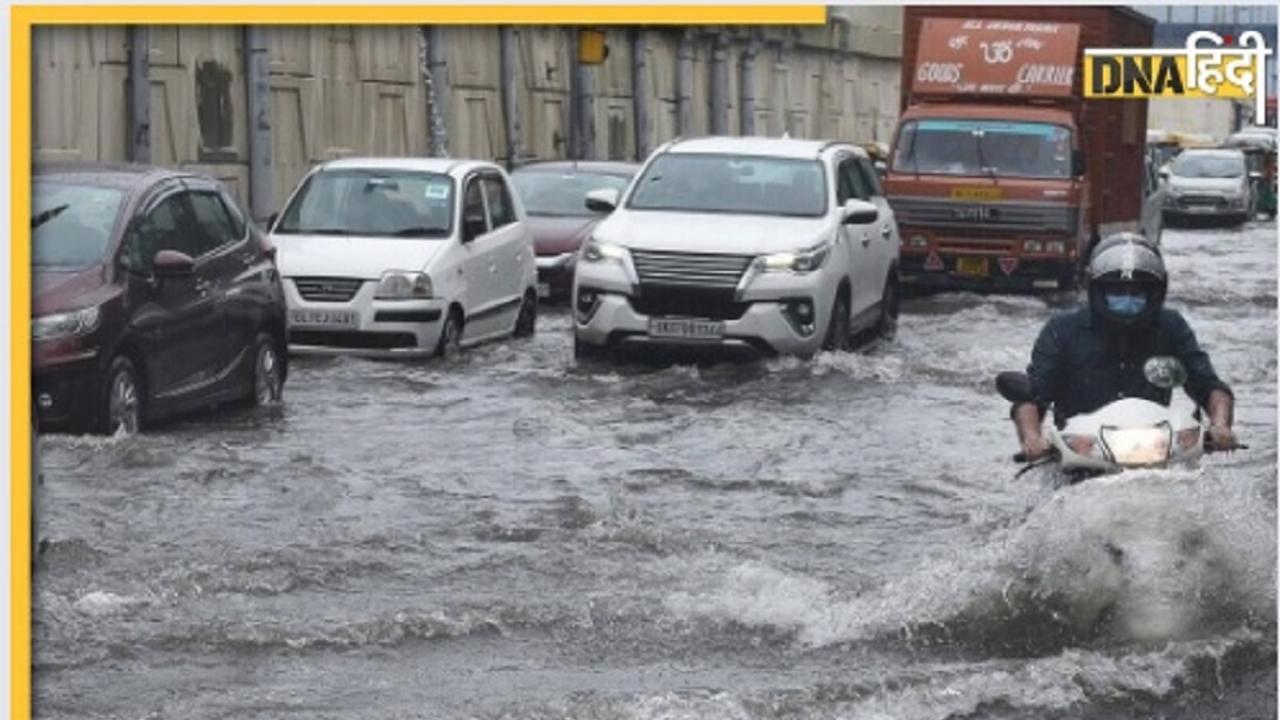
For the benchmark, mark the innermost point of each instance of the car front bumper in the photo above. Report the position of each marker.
(369, 328)
(759, 320)
(66, 388)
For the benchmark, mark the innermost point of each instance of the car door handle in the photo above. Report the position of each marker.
(866, 240)
(885, 231)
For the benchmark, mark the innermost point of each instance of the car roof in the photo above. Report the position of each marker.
(769, 147)
(117, 175)
(599, 167)
(443, 166)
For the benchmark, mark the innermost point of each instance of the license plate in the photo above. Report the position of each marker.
(325, 318)
(544, 290)
(972, 267)
(976, 193)
(686, 329)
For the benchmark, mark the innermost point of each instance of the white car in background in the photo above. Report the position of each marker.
(404, 256)
(773, 245)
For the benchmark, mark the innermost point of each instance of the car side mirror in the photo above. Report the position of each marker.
(171, 264)
(271, 220)
(1163, 172)
(603, 200)
(473, 226)
(1078, 164)
(859, 212)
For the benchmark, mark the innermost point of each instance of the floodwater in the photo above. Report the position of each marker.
(508, 535)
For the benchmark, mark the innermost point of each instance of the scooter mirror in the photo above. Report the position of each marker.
(1014, 387)
(1165, 371)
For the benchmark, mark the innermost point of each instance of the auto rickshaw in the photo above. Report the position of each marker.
(1260, 158)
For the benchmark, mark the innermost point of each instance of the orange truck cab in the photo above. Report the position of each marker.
(1002, 175)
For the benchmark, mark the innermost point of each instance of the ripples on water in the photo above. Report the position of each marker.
(511, 535)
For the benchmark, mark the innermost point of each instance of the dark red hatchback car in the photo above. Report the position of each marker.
(153, 294)
(554, 194)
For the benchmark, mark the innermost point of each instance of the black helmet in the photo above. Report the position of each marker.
(1127, 280)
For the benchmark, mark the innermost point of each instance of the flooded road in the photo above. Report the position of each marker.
(508, 535)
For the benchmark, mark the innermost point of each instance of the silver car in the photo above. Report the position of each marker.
(1205, 183)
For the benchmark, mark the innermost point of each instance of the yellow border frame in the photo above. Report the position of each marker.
(21, 20)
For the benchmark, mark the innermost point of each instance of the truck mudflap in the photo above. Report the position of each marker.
(998, 274)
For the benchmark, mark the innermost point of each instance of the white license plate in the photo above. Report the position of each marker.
(324, 318)
(686, 329)
(544, 290)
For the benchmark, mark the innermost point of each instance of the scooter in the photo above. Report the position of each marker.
(1124, 434)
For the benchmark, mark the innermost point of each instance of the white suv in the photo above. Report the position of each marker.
(405, 256)
(775, 245)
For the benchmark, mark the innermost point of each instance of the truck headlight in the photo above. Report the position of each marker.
(69, 324)
(801, 261)
(403, 285)
(1138, 446)
(596, 251)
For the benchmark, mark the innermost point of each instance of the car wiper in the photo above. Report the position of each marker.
(412, 231)
(45, 216)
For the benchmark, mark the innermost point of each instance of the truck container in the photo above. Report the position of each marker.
(1002, 174)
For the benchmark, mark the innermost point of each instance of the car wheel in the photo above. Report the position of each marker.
(585, 351)
(527, 320)
(268, 371)
(887, 327)
(838, 326)
(450, 335)
(122, 398)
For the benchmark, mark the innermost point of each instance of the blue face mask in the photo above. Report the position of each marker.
(1126, 305)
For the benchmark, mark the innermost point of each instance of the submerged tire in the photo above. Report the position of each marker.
(450, 335)
(887, 325)
(121, 404)
(268, 371)
(527, 319)
(837, 337)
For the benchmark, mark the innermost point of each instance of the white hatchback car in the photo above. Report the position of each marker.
(404, 256)
(774, 245)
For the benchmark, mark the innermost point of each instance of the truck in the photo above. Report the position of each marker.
(1002, 174)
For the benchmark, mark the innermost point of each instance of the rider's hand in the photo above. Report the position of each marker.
(1036, 447)
(1221, 438)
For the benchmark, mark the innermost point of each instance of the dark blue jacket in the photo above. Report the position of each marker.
(1077, 365)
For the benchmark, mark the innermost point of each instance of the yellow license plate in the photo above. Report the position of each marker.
(976, 193)
(972, 267)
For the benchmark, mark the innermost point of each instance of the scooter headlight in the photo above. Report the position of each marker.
(1081, 444)
(1135, 447)
(1188, 439)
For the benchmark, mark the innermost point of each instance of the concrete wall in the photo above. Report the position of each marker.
(343, 90)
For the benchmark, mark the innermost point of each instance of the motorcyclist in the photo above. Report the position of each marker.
(1094, 355)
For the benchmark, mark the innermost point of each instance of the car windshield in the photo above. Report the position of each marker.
(391, 203)
(1201, 165)
(562, 193)
(732, 184)
(984, 147)
(72, 225)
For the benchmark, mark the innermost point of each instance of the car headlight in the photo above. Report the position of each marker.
(1138, 446)
(402, 285)
(595, 251)
(68, 324)
(802, 261)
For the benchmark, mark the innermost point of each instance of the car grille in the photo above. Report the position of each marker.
(320, 289)
(699, 270)
(675, 301)
(1031, 217)
(352, 340)
(1215, 201)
